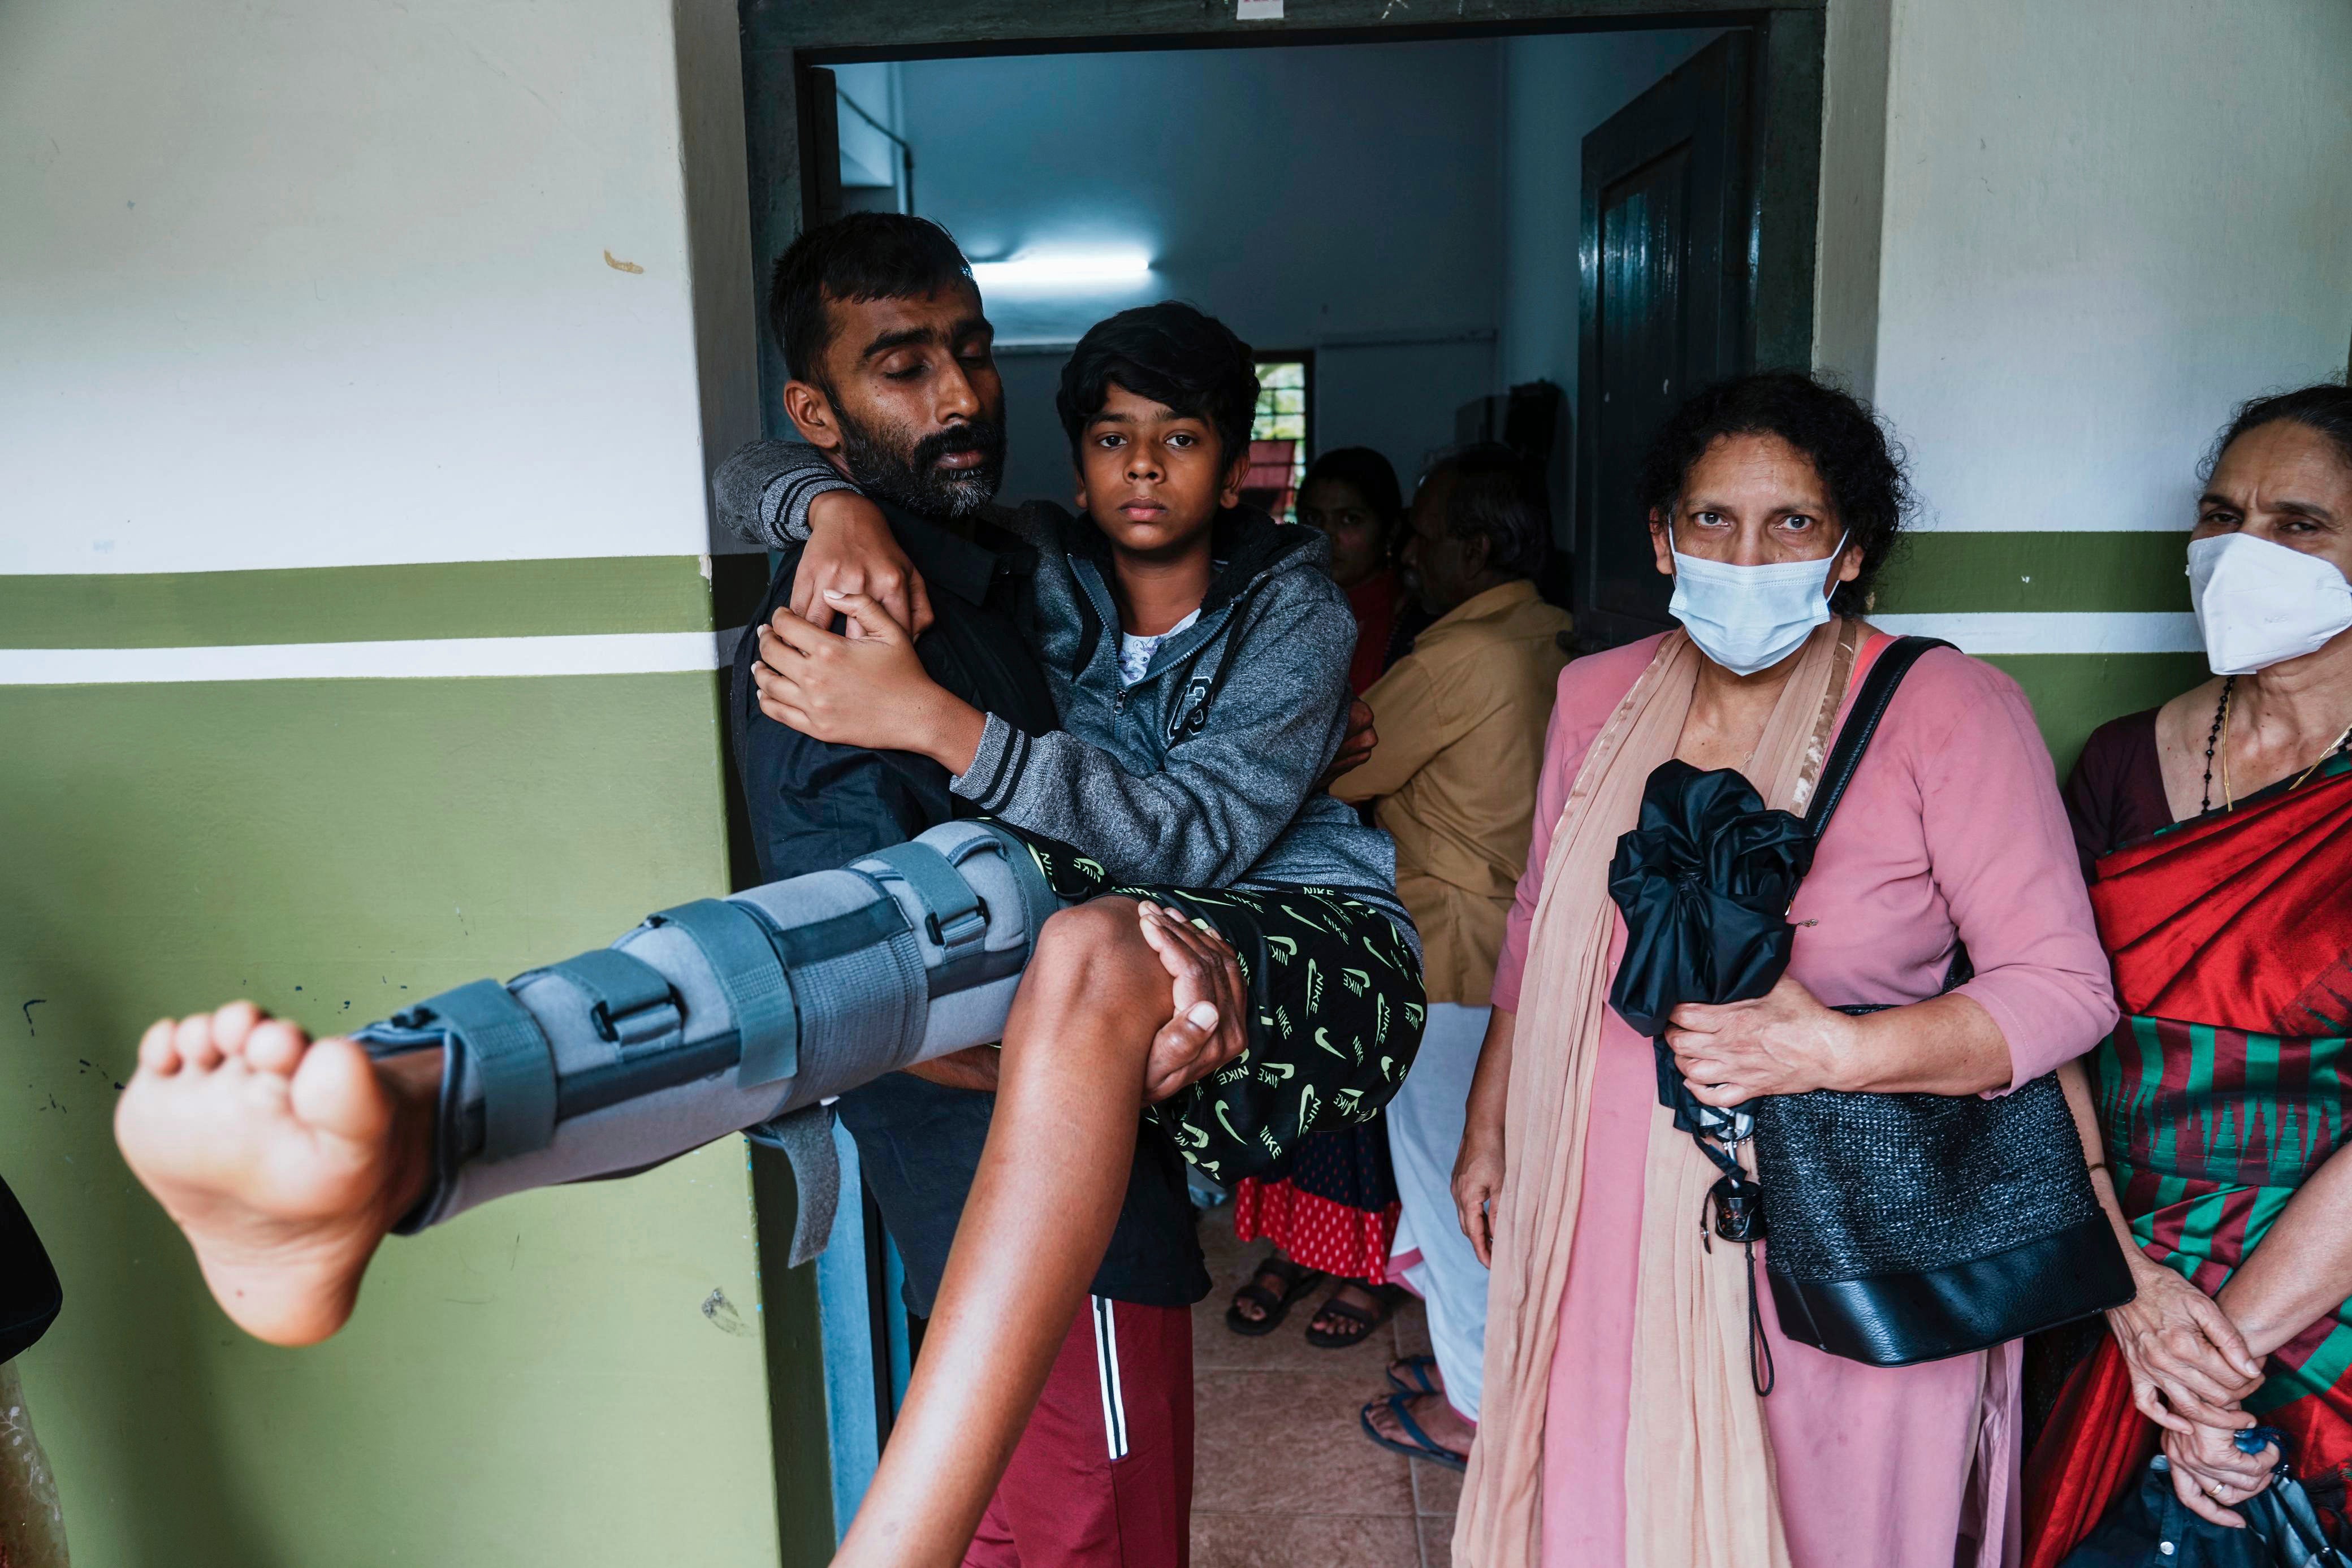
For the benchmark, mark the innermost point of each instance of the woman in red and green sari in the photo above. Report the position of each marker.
(2217, 830)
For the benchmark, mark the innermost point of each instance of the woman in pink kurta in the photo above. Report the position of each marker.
(1951, 833)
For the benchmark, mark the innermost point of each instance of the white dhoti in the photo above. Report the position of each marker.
(1431, 1255)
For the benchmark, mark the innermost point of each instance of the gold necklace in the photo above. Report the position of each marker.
(2228, 802)
(2332, 750)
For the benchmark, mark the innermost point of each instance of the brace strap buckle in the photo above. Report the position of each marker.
(955, 918)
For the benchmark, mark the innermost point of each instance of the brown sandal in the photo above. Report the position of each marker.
(1296, 1282)
(1324, 1339)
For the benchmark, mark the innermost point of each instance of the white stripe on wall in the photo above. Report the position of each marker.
(659, 653)
(603, 654)
(2084, 632)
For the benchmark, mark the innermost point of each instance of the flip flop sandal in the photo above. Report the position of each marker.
(1324, 1339)
(1410, 1374)
(1297, 1282)
(1422, 1446)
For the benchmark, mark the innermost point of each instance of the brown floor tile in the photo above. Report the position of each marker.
(1437, 1539)
(1287, 1443)
(1436, 1488)
(1257, 1540)
(1412, 1322)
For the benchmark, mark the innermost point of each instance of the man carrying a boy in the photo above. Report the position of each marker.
(892, 381)
(1195, 654)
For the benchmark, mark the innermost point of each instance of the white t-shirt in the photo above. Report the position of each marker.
(1135, 653)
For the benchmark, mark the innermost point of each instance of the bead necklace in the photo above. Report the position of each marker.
(2218, 739)
(2214, 739)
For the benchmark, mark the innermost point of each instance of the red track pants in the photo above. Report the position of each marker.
(1103, 1475)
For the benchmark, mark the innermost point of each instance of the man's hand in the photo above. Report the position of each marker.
(851, 550)
(871, 691)
(1211, 1026)
(1783, 1043)
(1356, 749)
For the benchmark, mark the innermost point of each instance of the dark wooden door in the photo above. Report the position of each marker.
(1667, 267)
(819, 103)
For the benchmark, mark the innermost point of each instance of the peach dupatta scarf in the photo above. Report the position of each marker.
(1698, 1469)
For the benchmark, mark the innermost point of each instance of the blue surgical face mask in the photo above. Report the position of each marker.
(1750, 618)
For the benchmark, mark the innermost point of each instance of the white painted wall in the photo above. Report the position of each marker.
(1557, 87)
(2105, 221)
(325, 284)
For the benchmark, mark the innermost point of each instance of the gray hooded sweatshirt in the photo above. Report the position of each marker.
(1203, 773)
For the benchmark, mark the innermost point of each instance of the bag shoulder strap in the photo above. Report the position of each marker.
(1853, 738)
(1870, 705)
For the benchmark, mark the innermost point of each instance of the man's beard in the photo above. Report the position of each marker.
(886, 464)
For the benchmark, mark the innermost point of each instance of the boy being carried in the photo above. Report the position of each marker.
(286, 1162)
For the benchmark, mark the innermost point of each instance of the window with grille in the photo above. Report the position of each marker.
(1280, 432)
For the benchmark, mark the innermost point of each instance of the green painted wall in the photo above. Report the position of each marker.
(2135, 573)
(576, 1376)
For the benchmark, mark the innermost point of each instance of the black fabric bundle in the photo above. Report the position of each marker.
(30, 1295)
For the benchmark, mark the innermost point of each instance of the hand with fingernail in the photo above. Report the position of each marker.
(1210, 1023)
(869, 691)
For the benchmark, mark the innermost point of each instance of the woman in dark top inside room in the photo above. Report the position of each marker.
(2217, 831)
(1332, 1211)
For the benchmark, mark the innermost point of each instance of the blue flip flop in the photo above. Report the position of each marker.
(1410, 1374)
(1421, 1447)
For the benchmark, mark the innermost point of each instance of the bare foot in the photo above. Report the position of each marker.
(285, 1162)
(1439, 1422)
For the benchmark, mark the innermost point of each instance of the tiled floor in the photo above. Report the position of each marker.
(1283, 1476)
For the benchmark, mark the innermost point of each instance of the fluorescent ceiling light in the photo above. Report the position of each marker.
(1066, 270)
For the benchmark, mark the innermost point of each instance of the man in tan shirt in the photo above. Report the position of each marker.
(1461, 724)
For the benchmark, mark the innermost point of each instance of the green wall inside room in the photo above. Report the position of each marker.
(576, 1376)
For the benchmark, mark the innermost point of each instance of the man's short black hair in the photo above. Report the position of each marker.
(1498, 495)
(1179, 357)
(855, 258)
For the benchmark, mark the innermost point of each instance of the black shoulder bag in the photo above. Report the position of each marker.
(1904, 1228)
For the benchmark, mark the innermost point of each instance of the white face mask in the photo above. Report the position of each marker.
(2260, 605)
(1750, 618)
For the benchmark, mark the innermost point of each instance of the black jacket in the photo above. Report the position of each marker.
(815, 806)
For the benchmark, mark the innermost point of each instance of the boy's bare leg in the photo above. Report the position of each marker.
(286, 1162)
(1069, 1094)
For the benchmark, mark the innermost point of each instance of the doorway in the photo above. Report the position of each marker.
(1418, 229)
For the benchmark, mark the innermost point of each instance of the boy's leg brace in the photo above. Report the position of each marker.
(726, 1014)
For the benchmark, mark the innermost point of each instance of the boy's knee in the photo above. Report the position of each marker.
(1097, 945)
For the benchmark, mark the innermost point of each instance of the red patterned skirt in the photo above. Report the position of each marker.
(1335, 1209)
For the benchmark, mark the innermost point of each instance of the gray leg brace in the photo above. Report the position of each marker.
(727, 1014)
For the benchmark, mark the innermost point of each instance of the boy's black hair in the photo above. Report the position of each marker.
(1173, 354)
(1859, 461)
(855, 258)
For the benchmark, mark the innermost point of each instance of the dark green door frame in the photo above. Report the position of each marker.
(780, 37)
